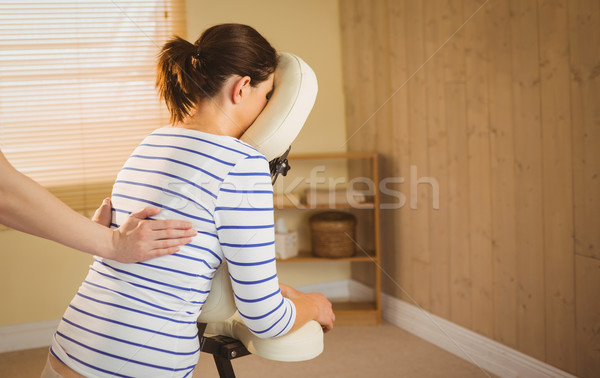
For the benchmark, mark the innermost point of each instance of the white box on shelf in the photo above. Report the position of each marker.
(286, 245)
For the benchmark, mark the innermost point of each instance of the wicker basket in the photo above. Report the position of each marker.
(333, 234)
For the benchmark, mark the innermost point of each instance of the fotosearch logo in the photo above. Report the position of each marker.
(322, 190)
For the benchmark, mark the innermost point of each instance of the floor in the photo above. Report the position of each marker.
(370, 351)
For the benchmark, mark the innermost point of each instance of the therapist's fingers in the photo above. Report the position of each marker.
(167, 245)
(103, 214)
(170, 233)
(136, 241)
(170, 224)
(146, 212)
(140, 239)
(163, 249)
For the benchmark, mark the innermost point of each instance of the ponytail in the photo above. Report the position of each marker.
(179, 77)
(188, 73)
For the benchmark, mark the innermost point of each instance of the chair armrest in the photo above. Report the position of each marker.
(303, 344)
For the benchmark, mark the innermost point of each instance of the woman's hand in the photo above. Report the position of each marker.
(310, 306)
(140, 239)
(289, 292)
(325, 316)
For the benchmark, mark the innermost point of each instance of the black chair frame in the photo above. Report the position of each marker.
(223, 349)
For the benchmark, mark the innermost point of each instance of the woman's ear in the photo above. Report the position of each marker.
(239, 89)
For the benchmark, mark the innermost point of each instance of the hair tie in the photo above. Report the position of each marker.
(198, 54)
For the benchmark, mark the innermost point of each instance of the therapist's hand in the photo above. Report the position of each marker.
(140, 239)
(103, 214)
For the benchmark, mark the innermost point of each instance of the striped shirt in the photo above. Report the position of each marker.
(139, 320)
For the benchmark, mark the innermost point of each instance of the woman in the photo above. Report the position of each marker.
(140, 319)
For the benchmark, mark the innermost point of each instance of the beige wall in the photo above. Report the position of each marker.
(503, 113)
(38, 278)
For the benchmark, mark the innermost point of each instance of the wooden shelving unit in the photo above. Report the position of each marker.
(365, 262)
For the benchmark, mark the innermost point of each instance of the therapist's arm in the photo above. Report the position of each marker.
(27, 206)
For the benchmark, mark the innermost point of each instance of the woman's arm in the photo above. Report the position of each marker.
(244, 220)
(27, 206)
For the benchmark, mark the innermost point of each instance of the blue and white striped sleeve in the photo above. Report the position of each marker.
(244, 221)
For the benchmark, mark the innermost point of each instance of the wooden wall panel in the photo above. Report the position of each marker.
(498, 102)
(366, 132)
(458, 199)
(458, 191)
(437, 147)
(557, 169)
(584, 45)
(417, 118)
(478, 146)
(359, 32)
(382, 115)
(528, 180)
(400, 157)
(588, 316)
(504, 248)
(349, 30)
(584, 55)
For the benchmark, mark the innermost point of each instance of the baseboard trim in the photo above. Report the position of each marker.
(27, 335)
(466, 344)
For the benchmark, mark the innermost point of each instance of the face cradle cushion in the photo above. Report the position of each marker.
(294, 94)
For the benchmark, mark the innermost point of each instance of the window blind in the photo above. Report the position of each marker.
(77, 88)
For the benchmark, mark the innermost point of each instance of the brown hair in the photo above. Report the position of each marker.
(188, 73)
